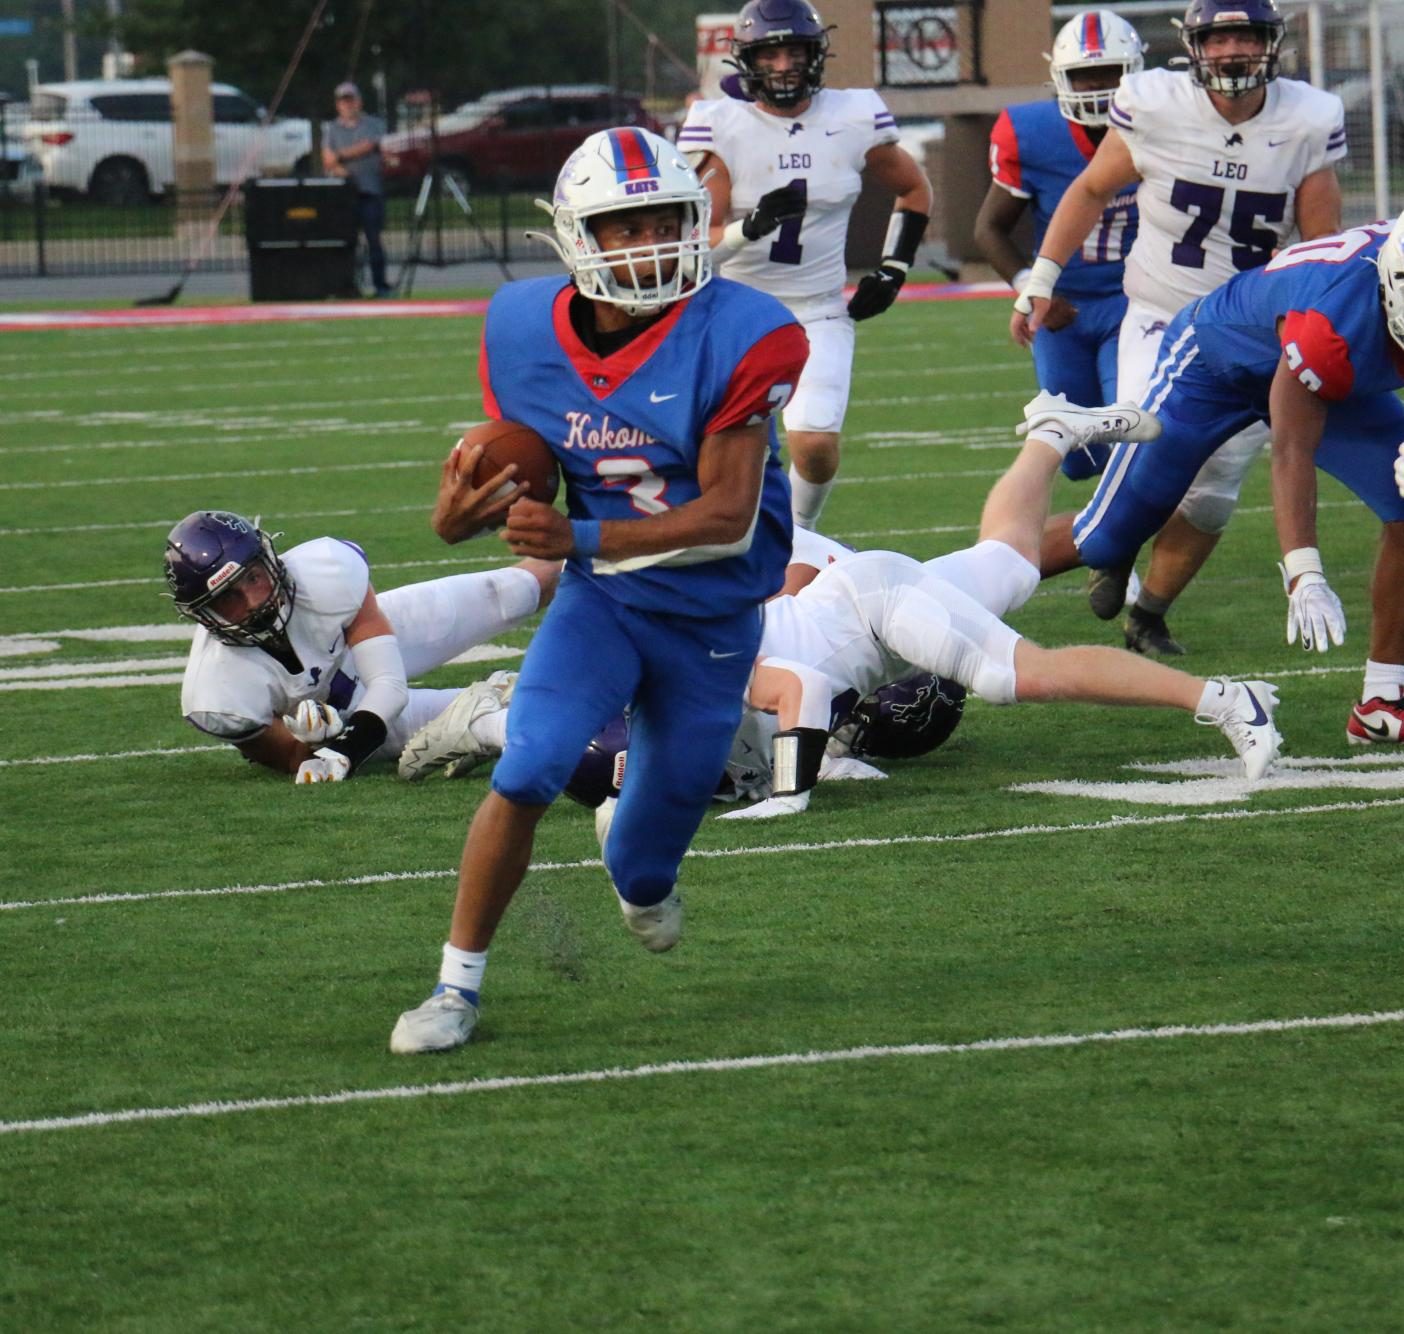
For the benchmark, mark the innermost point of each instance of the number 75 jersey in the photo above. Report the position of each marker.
(1216, 199)
(823, 149)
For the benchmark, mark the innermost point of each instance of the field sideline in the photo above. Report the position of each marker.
(1060, 1028)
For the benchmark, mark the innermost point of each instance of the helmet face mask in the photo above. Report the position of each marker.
(1390, 265)
(1093, 42)
(767, 26)
(210, 556)
(621, 170)
(1233, 74)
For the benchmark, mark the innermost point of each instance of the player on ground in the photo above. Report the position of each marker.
(878, 616)
(1305, 342)
(1036, 150)
(655, 386)
(784, 170)
(300, 665)
(1230, 160)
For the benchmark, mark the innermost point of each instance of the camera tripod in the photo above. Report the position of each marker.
(429, 200)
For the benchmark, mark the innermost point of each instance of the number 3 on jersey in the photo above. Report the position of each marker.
(645, 486)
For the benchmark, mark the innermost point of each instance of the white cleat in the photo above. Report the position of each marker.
(604, 818)
(504, 683)
(1066, 426)
(446, 1020)
(1246, 719)
(659, 926)
(449, 739)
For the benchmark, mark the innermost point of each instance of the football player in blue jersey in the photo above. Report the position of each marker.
(1037, 149)
(655, 385)
(1314, 343)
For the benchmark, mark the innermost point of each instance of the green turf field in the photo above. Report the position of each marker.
(180, 932)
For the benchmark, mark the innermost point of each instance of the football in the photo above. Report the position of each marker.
(508, 442)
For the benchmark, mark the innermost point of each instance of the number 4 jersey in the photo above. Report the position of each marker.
(1216, 199)
(823, 149)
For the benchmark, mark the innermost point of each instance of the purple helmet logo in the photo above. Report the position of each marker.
(764, 24)
(902, 720)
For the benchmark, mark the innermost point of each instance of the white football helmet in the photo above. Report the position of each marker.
(1095, 39)
(620, 169)
(1390, 263)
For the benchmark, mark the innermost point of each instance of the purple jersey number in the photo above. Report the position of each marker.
(1206, 202)
(786, 248)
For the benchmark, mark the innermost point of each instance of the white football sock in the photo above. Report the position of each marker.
(462, 969)
(491, 730)
(1217, 699)
(1383, 680)
(807, 498)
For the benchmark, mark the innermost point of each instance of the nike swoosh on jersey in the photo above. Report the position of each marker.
(1277, 143)
(712, 653)
(654, 397)
(829, 134)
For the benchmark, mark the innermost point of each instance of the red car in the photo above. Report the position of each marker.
(519, 137)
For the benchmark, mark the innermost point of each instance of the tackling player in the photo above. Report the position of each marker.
(1036, 150)
(654, 386)
(878, 616)
(784, 170)
(301, 666)
(1230, 160)
(1314, 341)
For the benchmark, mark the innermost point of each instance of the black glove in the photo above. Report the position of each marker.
(876, 292)
(773, 208)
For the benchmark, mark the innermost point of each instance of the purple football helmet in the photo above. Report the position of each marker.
(1232, 75)
(765, 23)
(211, 552)
(600, 773)
(902, 720)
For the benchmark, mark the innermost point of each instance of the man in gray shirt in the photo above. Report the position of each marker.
(351, 148)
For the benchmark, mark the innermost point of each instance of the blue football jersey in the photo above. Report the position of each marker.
(626, 427)
(1036, 154)
(1326, 294)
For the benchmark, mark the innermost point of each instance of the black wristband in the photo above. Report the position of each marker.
(795, 757)
(904, 232)
(363, 735)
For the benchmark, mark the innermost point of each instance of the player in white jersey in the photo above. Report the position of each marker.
(784, 167)
(1229, 161)
(300, 665)
(877, 616)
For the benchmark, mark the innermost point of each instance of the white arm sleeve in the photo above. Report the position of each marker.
(382, 672)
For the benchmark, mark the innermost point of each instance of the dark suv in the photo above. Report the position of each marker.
(519, 137)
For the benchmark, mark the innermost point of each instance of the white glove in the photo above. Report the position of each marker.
(1314, 611)
(326, 766)
(314, 722)
(770, 808)
(1399, 471)
(840, 768)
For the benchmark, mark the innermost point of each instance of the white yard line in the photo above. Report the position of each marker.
(711, 854)
(719, 1065)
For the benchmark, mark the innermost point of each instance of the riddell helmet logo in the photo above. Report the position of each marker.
(619, 769)
(223, 575)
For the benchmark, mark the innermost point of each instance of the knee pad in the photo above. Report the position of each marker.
(1208, 511)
